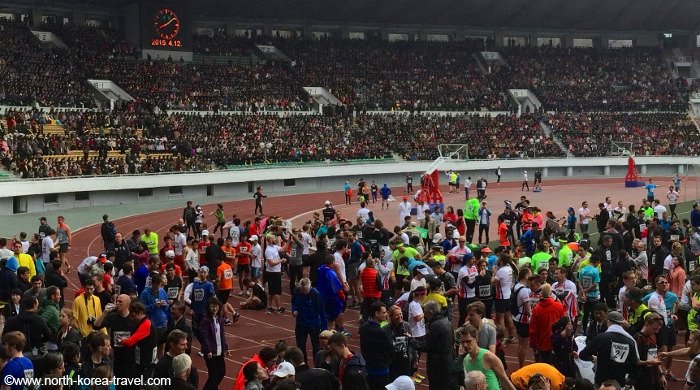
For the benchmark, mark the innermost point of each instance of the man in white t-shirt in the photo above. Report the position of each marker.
(465, 294)
(48, 245)
(456, 257)
(255, 259)
(421, 208)
(672, 197)
(179, 244)
(273, 270)
(363, 212)
(404, 210)
(338, 262)
(235, 231)
(565, 292)
(584, 215)
(503, 280)
(659, 209)
(415, 313)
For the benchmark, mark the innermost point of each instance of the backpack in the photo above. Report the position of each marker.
(109, 230)
(639, 324)
(189, 214)
(514, 307)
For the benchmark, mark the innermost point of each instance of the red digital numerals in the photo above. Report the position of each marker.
(166, 43)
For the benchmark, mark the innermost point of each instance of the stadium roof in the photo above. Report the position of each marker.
(612, 15)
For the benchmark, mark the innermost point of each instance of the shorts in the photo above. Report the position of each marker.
(274, 283)
(63, 248)
(179, 260)
(502, 306)
(255, 272)
(668, 336)
(223, 295)
(351, 270)
(522, 329)
(241, 268)
(334, 307)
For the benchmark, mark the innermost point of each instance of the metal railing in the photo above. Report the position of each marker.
(9, 176)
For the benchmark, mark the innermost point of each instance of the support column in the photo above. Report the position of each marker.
(606, 170)
(545, 172)
(681, 169)
(569, 171)
(643, 169)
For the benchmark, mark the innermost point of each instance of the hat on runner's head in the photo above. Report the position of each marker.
(615, 317)
(401, 383)
(102, 258)
(253, 238)
(205, 232)
(437, 237)
(328, 203)
(284, 369)
(485, 250)
(204, 269)
(170, 254)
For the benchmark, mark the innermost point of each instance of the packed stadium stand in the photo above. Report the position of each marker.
(594, 96)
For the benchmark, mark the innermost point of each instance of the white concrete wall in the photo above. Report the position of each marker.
(124, 190)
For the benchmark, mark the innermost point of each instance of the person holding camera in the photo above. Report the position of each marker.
(87, 308)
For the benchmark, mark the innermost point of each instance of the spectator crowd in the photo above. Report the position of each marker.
(591, 134)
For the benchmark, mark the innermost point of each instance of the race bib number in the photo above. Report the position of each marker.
(228, 274)
(229, 255)
(359, 234)
(198, 294)
(117, 289)
(172, 292)
(119, 336)
(293, 253)
(148, 282)
(29, 373)
(484, 291)
(619, 352)
(244, 249)
(691, 266)
(642, 226)
(675, 237)
(652, 354)
(653, 260)
(543, 265)
(401, 346)
(586, 281)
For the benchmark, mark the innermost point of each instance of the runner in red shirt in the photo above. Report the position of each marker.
(243, 263)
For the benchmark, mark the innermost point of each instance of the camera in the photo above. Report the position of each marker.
(374, 247)
(91, 320)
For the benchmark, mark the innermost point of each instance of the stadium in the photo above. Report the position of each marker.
(135, 137)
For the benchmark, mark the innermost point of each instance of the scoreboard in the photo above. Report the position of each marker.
(166, 26)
